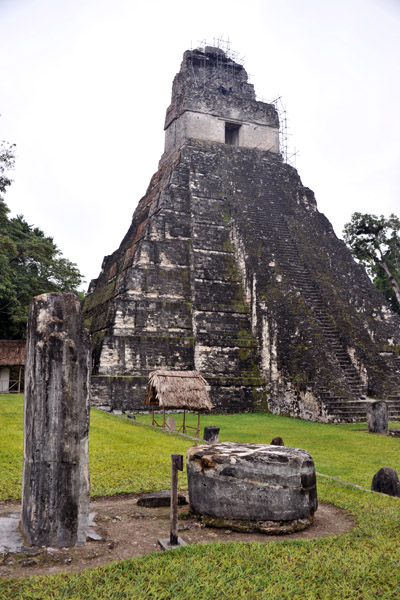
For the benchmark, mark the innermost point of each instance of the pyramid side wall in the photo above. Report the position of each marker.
(234, 272)
(177, 302)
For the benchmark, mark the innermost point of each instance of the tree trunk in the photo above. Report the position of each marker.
(392, 280)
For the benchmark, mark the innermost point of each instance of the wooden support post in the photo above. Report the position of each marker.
(198, 425)
(152, 415)
(174, 541)
(184, 421)
(19, 379)
(163, 419)
(176, 465)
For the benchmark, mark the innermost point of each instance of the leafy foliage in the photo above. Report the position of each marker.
(30, 262)
(375, 243)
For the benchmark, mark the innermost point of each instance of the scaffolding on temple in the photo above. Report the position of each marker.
(226, 72)
(288, 153)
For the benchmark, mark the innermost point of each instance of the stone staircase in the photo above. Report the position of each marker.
(296, 270)
(342, 410)
(271, 220)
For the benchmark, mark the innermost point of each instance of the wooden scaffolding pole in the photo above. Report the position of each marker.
(198, 425)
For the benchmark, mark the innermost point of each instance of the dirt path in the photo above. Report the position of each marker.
(130, 531)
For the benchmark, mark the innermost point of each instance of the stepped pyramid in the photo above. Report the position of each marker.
(229, 268)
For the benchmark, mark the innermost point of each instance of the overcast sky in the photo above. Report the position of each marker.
(84, 86)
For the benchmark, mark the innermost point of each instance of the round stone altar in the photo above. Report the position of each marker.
(252, 487)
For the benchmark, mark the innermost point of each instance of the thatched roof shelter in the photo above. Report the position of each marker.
(12, 352)
(184, 390)
(178, 389)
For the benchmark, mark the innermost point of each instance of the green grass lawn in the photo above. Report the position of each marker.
(345, 451)
(363, 564)
(124, 456)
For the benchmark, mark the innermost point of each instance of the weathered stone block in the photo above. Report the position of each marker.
(211, 434)
(386, 481)
(377, 417)
(171, 425)
(55, 481)
(252, 482)
(277, 441)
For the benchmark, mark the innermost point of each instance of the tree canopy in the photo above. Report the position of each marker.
(30, 262)
(375, 243)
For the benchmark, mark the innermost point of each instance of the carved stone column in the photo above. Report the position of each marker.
(55, 482)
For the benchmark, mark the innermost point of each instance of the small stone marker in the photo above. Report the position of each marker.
(211, 434)
(171, 425)
(377, 417)
(174, 540)
(386, 481)
(55, 480)
(277, 441)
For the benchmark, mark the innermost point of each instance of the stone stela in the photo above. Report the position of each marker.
(55, 482)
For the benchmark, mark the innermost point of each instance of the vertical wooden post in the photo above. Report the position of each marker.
(176, 465)
(184, 421)
(174, 541)
(152, 415)
(163, 420)
(198, 425)
(19, 379)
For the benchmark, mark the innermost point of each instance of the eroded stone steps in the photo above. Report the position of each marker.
(340, 409)
(288, 256)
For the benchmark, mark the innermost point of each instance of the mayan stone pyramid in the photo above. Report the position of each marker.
(228, 268)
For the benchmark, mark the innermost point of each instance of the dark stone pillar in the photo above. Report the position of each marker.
(211, 434)
(377, 417)
(55, 481)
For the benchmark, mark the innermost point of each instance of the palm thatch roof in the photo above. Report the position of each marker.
(12, 352)
(178, 389)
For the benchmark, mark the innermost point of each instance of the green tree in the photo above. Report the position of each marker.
(30, 262)
(375, 243)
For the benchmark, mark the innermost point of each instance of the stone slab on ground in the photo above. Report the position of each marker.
(165, 543)
(161, 498)
(10, 537)
(11, 540)
(138, 531)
